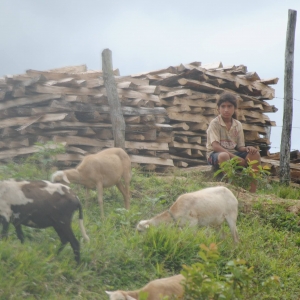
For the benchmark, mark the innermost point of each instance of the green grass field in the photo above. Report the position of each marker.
(118, 257)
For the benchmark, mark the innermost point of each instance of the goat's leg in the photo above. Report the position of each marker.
(19, 232)
(66, 235)
(220, 231)
(100, 198)
(5, 226)
(232, 225)
(125, 193)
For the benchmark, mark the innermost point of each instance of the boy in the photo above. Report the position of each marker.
(225, 137)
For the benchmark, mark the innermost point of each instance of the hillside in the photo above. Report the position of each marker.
(120, 258)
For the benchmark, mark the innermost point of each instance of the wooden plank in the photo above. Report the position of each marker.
(43, 89)
(185, 159)
(259, 129)
(173, 80)
(186, 145)
(151, 160)
(273, 80)
(65, 157)
(178, 108)
(160, 71)
(148, 89)
(182, 126)
(199, 126)
(197, 153)
(147, 145)
(196, 140)
(200, 86)
(34, 99)
(180, 164)
(252, 76)
(30, 120)
(181, 139)
(192, 102)
(76, 140)
(277, 163)
(126, 110)
(187, 117)
(23, 142)
(135, 94)
(126, 85)
(176, 93)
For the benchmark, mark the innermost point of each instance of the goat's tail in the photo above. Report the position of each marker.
(82, 229)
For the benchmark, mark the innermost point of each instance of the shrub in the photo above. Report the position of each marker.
(204, 280)
(240, 176)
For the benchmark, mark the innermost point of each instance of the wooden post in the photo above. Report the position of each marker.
(285, 176)
(116, 115)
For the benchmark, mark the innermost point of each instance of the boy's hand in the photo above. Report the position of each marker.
(251, 150)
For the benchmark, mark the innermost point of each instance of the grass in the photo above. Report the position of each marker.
(118, 257)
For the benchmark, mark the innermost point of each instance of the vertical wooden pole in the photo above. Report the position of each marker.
(116, 115)
(285, 176)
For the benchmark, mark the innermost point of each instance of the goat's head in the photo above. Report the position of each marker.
(59, 176)
(142, 225)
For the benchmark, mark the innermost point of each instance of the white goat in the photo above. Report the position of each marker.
(101, 170)
(40, 204)
(206, 207)
(156, 289)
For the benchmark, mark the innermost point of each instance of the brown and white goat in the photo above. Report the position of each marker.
(40, 204)
(101, 170)
(156, 289)
(206, 207)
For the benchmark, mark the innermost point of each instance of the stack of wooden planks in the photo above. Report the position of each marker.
(166, 112)
(273, 161)
(189, 94)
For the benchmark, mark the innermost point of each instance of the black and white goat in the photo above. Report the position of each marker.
(40, 204)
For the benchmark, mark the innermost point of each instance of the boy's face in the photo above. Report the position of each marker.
(226, 110)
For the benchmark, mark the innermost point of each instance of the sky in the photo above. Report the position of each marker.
(151, 35)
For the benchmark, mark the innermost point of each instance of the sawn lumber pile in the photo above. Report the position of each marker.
(166, 112)
(273, 161)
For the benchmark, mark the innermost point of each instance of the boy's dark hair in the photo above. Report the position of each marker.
(227, 97)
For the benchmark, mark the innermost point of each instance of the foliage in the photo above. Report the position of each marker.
(240, 176)
(163, 246)
(203, 280)
(36, 166)
(279, 218)
(45, 157)
(286, 192)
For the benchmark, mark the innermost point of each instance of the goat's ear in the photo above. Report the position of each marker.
(108, 293)
(65, 178)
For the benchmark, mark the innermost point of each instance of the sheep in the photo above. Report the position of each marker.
(101, 170)
(206, 207)
(40, 204)
(156, 289)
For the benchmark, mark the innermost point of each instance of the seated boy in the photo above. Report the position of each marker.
(225, 137)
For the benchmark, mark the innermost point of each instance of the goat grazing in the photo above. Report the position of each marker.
(101, 170)
(156, 289)
(206, 207)
(40, 204)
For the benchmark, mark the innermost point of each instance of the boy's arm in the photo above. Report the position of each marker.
(249, 149)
